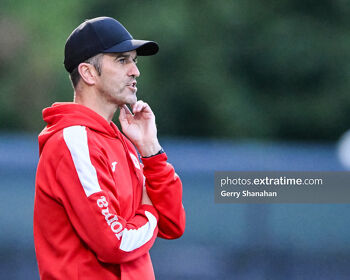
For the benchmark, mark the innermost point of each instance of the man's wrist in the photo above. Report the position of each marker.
(161, 151)
(149, 150)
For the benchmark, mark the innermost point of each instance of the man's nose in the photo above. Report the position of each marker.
(134, 70)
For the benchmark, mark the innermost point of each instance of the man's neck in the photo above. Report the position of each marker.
(91, 100)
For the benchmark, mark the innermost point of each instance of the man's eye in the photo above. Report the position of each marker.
(135, 60)
(122, 60)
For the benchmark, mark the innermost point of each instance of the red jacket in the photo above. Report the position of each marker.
(88, 219)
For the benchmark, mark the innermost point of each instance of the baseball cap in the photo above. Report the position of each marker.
(102, 35)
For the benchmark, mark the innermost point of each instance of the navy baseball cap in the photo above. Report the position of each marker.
(102, 35)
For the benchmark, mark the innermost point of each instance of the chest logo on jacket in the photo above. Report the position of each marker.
(135, 161)
(114, 163)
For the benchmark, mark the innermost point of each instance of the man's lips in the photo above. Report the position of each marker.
(132, 86)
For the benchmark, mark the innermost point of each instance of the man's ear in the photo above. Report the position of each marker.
(87, 73)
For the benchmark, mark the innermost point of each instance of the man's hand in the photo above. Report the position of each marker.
(140, 127)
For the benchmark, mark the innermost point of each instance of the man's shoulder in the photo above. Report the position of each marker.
(72, 142)
(54, 141)
(76, 134)
(59, 140)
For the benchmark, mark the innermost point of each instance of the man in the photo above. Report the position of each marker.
(97, 209)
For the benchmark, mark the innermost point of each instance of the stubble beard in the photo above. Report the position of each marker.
(121, 97)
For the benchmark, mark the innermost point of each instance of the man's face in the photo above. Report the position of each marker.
(117, 83)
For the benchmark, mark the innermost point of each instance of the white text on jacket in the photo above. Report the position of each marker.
(112, 220)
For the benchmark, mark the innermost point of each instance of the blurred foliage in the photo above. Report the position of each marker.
(230, 69)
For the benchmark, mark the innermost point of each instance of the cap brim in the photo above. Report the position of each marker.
(143, 48)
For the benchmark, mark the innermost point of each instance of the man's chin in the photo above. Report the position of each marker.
(131, 101)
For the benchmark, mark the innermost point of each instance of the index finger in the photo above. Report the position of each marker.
(127, 110)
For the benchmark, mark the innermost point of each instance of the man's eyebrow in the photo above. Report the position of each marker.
(124, 55)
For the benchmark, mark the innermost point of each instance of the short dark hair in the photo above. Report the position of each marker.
(94, 61)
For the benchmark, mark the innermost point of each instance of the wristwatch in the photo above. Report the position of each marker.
(161, 151)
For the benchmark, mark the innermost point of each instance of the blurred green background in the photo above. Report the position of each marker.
(237, 85)
(228, 69)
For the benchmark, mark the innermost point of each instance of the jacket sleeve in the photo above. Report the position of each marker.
(164, 188)
(85, 189)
